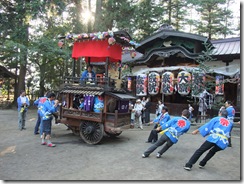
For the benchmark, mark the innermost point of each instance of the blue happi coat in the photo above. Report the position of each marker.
(164, 119)
(231, 113)
(218, 130)
(48, 109)
(176, 127)
(39, 103)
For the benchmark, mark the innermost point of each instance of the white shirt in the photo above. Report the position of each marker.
(23, 99)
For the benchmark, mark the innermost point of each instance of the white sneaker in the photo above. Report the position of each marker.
(187, 168)
(143, 156)
(200, 166)
(158, 155)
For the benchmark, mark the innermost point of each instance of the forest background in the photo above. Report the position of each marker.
(30, 30)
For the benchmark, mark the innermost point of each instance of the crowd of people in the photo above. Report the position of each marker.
(217, 130)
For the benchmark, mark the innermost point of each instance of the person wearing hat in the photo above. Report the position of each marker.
(218, 130)
(159, 121)
(137, 113)
(88, 75)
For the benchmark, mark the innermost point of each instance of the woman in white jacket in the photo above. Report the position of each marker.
(137, 111)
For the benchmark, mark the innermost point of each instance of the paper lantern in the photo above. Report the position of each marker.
(153, 83)
(219, 88)
(198, 83)
(167, 83)
(184, 79)
(141, 85)
(111, 41)
(129, 81)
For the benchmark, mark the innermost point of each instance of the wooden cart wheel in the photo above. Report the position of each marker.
(91, 132)
(113, 135)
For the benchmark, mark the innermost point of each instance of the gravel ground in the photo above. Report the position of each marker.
(23, 158)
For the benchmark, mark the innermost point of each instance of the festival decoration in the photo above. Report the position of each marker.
(184, 79)
(129, 81)
(111, 41)
(153, 83)
(219, 88)
(141, 85)
(99, 36)
(133, 54)
(198, 83)
(167, 83)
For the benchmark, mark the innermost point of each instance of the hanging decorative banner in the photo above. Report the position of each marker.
(198, 83)
(129, 84)
(168, 83)
(141, 85)
(153, 83)
(219, 88)
(184, 79)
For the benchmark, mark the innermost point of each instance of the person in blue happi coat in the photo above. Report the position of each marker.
(171, 131)
(218, 130)
(163, 117)
(230, 116)
(88, 75)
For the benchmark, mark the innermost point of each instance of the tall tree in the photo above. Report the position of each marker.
(212, 17)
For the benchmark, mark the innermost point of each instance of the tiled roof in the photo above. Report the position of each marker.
(81, 91)
(222, 47)
(229, 46)
(121, 96)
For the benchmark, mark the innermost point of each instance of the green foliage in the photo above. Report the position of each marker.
(30, 30)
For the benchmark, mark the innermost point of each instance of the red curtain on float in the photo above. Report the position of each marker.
(97, 50)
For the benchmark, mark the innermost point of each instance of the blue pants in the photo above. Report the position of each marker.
(21, 119)
(47, 126)
(38, 122)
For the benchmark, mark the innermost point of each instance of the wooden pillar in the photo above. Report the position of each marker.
(73, 68)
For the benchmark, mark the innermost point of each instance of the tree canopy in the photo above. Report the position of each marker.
(30, 29)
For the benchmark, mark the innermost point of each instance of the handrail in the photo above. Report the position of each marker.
(106, 82)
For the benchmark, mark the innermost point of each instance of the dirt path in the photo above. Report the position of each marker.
(22, 157)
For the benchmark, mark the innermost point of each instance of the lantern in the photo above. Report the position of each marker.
(153, 83)
(219, 88)
(111, 41)
(167, 83)
(60, 44)
(141, 85)
(133, 54)
(198, 82)
(129, 84)
(184, 79)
